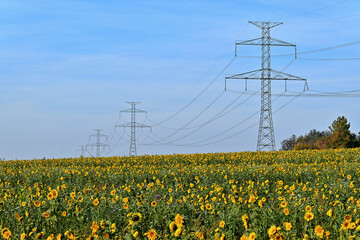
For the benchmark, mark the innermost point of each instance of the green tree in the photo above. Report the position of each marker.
(341, 136)
(339, 139)
(288, 144)
(340, 124)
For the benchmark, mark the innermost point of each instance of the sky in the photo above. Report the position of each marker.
(68, 67)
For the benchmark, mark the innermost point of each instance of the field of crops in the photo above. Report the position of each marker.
(248, 195)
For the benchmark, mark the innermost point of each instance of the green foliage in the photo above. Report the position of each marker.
(303, 146)
(339, 136)
(339, 139)
(288, 144)
(340, 124)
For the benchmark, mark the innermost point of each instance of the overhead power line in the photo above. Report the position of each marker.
(330, 59)
(218, 134)
(197, 96)
(204, 142)
(311, 51)
(194, 118)
(203, 76)
(311, 11)
(113, 147)
(219, 115)
(248, 128)
(327, 19)
(343, 94)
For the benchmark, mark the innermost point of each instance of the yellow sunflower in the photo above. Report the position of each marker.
(173, 227)
(179, 220)
(136, 217)
(6, 233)
(222, 224)
(96, 202)
(37, 203)
(151, 234)
(319, 231)
(309, 216)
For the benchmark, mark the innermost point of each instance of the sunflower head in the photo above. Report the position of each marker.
(96, 202)
(37, 203)
(309, 216)
(136, 217)
(151, 234)
(179, 220)
(319, 231)
(177, 232)
(173, 227)
(50, 196)
(222, 224)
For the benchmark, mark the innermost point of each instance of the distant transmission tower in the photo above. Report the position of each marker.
(82, 151)
(98, 143)
(266, 139)
(133, 125)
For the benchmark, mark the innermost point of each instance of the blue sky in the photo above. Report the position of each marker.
(68, 67)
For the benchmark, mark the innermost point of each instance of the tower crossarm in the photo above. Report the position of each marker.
(272, 42)
(256, 75)
(138, 125)
(135, 110)
(260, 24)
(260, 42)
(280, 43)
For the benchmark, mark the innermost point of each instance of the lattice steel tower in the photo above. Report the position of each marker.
(98, 143)
(133, 125)
(266, 139)
(82, 151)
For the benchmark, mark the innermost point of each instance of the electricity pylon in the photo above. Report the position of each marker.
(133, 125)
(98, 143)
(266, 139)
(82, 151)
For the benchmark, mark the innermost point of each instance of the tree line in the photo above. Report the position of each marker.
(338, 136)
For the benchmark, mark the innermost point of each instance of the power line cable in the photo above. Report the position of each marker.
(111, 149)
(190, 127)
(310, 51)
(344, 94)
(194, 118)
(243, 130)
(220, 114)
(207, 72)
(197, 96)
(217, 116)
(330, 59)
(207, 87)
(312, 11)
(219, 134)
(326, 20)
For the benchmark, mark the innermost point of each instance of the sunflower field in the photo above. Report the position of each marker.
(310, 194)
